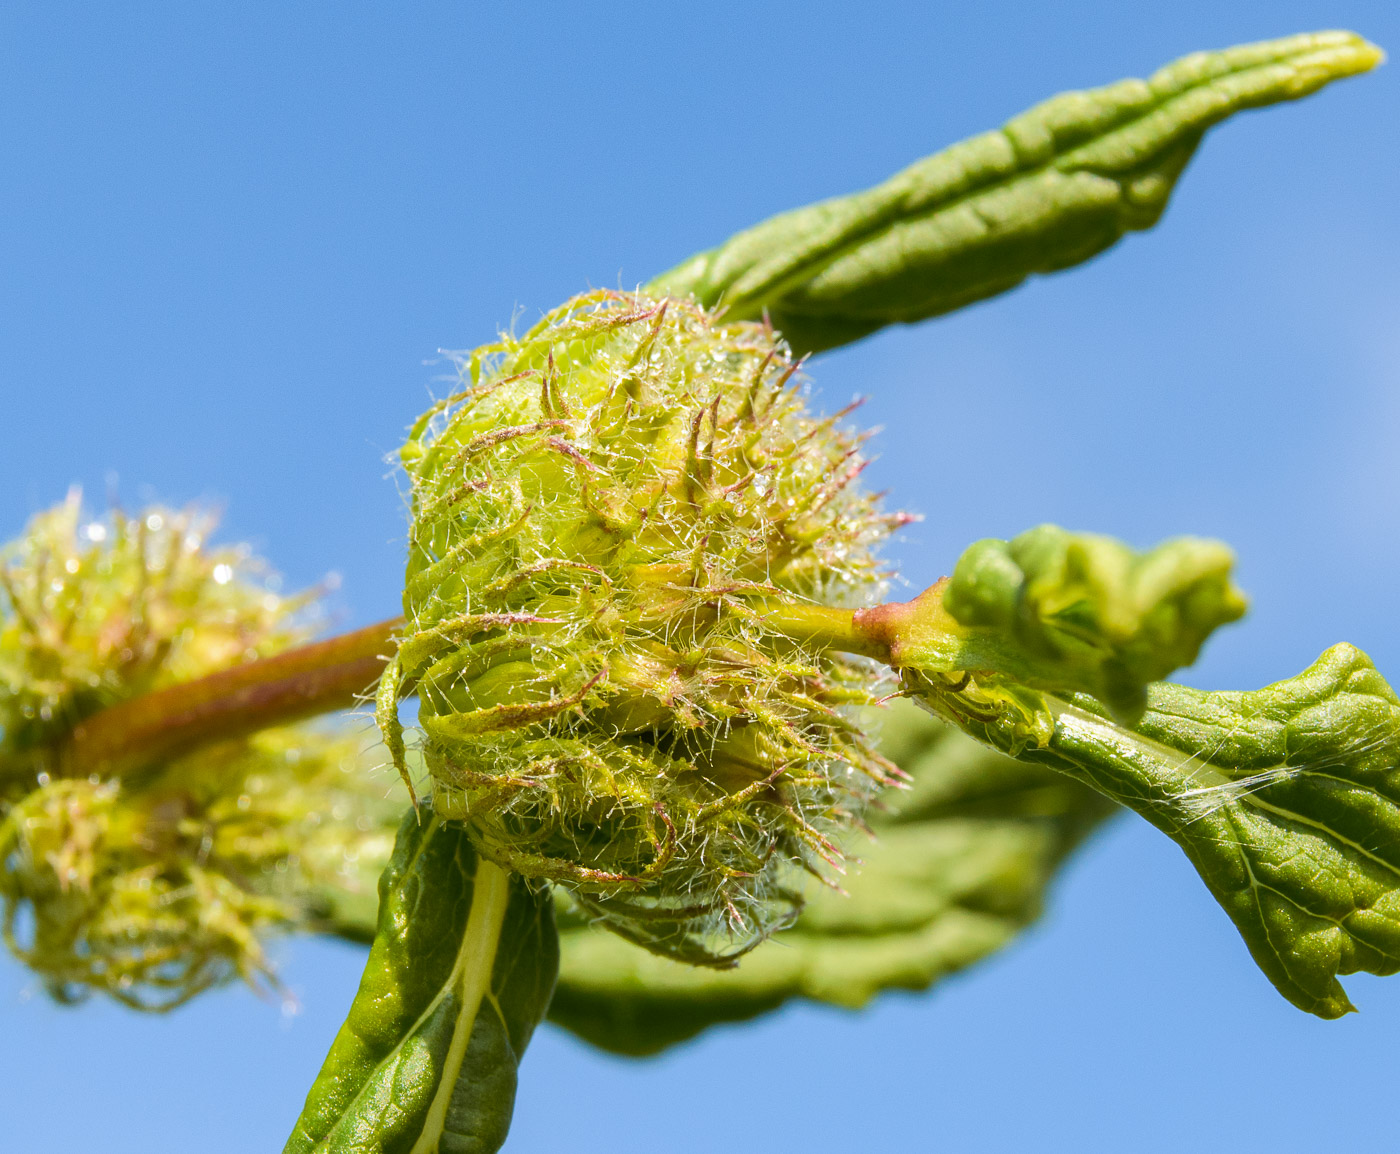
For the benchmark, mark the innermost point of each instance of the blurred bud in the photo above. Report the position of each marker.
(96, 611)
(156, 885)
(153, 891)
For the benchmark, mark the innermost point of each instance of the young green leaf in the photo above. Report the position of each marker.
(1055, 186)
(1286, 799)
(459, 975)
(1070, 612)
(958, 867)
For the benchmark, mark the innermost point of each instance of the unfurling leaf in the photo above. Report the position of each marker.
(1055, 186)
(1286, 799)
(958, 867)
(1091, 613)
(1069, 612)
(459, 975)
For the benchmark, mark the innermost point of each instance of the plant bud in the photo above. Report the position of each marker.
(618, 526)
(153, 886)
(152, 891)
(96, 611)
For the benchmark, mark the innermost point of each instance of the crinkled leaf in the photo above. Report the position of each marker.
(1069, 612)
(459, 975)
(1286, 799)
(958, 868)
(1090, 613)
(1056, 185)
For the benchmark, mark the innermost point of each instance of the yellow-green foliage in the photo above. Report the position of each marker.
(152, 891)
(94, 611)
(609, 519)
(155, 885)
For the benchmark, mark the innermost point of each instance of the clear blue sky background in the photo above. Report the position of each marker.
(233, 237)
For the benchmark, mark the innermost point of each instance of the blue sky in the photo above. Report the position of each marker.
(234, 238)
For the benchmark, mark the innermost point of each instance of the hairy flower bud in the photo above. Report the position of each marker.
(624, 528)
(152, 891)
(154, 885)
(97, 611)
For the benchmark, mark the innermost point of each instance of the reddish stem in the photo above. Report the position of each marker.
(335, 674)
(302, 682)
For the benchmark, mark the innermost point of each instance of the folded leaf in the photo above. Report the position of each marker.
(459, 975)
(958, 867)
(1286, 799)
(1055, 186)
(1093, 614)
(1069, 612)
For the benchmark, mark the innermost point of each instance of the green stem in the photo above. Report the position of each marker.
(824, 627)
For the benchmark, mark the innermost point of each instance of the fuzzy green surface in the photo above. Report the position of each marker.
(608, 521)
(957, 866)
(153, 889)
(94, 611)
(156, 885)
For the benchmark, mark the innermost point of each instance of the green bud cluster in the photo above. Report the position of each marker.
(157, 884)
(618, 526)
(96, 611)
(152, 891)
